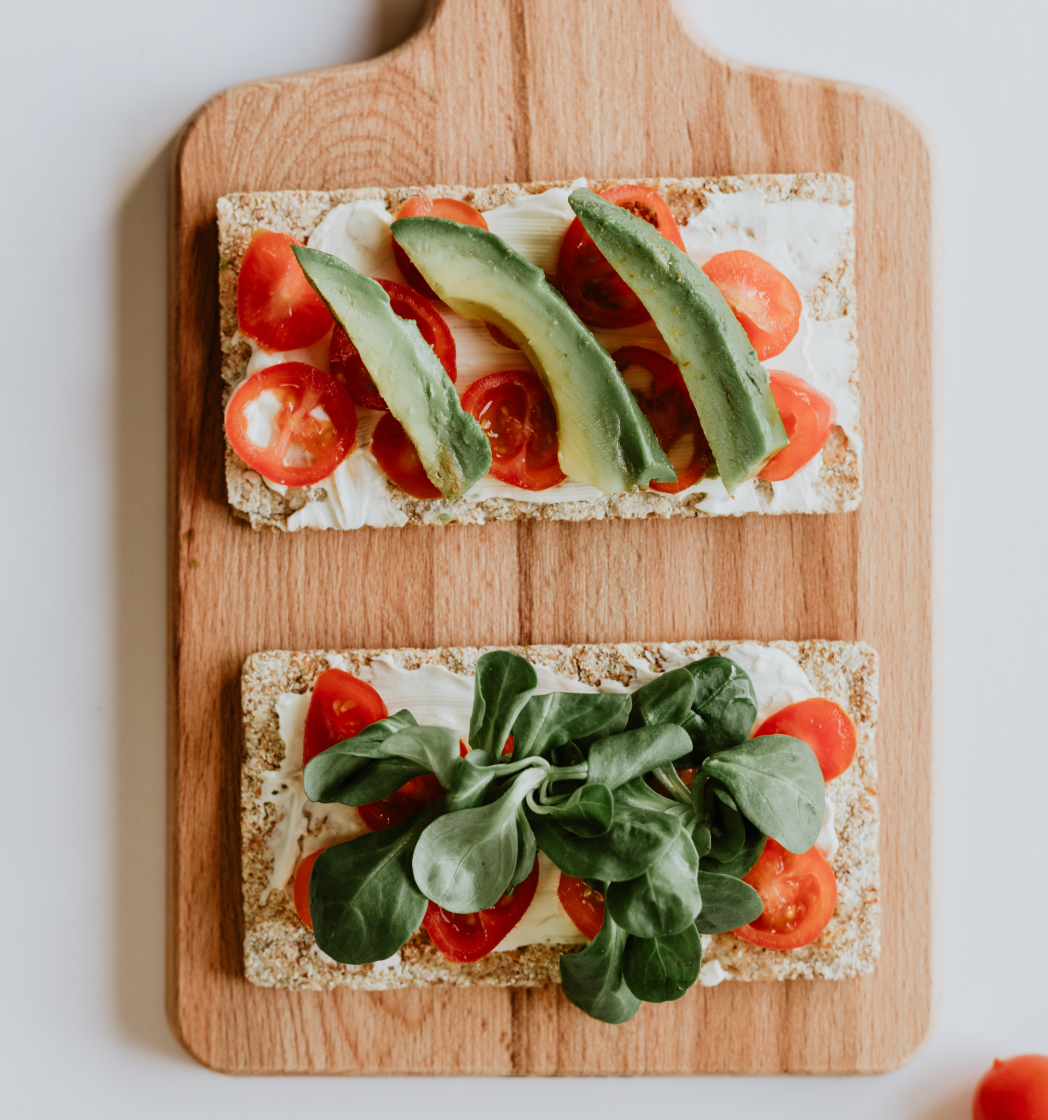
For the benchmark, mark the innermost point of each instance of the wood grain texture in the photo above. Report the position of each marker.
(489, 91)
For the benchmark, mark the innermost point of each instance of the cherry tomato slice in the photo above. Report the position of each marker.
(808, 417)
(799, 893)
(666, 403)
(520, 422)
(396, 455)
(410, 799)
(275, 304)
(292, 423)
(595, 291)
(764, 301)
(1016, 1089)
(584, 904)
(301, 887)
(420, 207)
(469, 937)
(347, 366)
(341, 707)
(825, 726)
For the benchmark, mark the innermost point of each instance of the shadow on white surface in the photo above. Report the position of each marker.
(141, 604)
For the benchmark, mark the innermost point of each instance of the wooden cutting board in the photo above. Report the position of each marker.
(489, 91)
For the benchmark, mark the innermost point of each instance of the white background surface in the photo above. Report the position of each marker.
(92, 95)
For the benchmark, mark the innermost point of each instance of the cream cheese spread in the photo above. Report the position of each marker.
(436, 696)
(801, 237)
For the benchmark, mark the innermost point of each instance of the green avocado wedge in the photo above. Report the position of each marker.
(604, 439)
(455, 452)
(728, 385)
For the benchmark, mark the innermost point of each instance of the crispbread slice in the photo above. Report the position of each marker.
(279, 952)
(836, 488)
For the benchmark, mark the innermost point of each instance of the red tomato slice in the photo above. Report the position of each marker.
(292, 423)
(799, 893)
(420, 207)
(341, 707)
(275, 304)
(808, 417)
(825, 726)
(347, 366)
(520, 422)
(468, 937)
(764, 301)
(1016, 1089)
(595, 291)
(397, 456)
(412, 797)
(301, 887)
(665, 401)
(585, 906)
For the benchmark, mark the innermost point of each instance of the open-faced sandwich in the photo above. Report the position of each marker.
(548, 350)
(623, 819)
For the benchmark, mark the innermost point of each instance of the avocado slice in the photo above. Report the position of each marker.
(454, 450)
(728, 385)
(603, 437)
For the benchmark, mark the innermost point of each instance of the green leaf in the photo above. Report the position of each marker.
(636, 839)
(727, 903)
(727, 825)
(747, 857)
(330, 772)
(637, 794)
(503, 684)
(465, 861)
(620, 758)
(470, 780)
(527, 849)
(593, 979)
(725, 705)
(435, 749)
(665, 898)
(776, 782)
(551, 721)
(362, 897)
(379, 779)
(658, 969)
(667, 699)
(588, 812)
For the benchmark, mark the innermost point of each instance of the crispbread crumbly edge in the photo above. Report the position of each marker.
(838, 486)
(279, 951)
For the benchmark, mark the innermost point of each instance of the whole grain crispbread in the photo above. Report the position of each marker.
(836, 488)
(280, 952)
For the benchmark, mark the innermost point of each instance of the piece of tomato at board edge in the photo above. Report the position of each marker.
(464, 938)
(799, 893)
(341, 706)
(666, 403)
(584, 905)
(764, 300)
(276, 306)
(808, 417)
(824, 725)
(593, 289)
(347, 366)
(516, 414)
(396, 455)
(305, 417)
(1013, 1089)
(418, 207)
